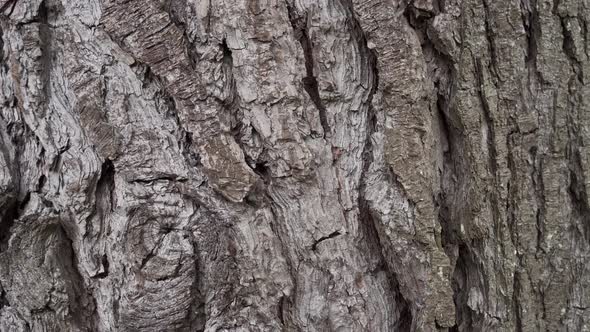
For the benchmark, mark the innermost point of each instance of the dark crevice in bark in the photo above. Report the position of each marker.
(2, 62)
(3, 300)
(24, 201)
(287, 302)
(163, 177)
(530, 18)
(516, 295)
(569, 49)
(230, 84)
(193, 159)
(280, 310)
(532, 28)
(449, 234)
(467, 275)
(367, 222)
(442, 74)
(512, 224)
(262, 169)
(41, 182)
(310, 83)
(45, 40)
(105, 188)
(197, 315)
(151, 254)
(488, 123)
(417, 19)
(369, 225)
(82, 304)
(176, 11)
(104, 200)
(9, 216)
(537, 176)
(488, 120)
(586, 34)
(490, 35)
(105, 267)
(230, 103)
(332, 235)
(8, 4)
(185, 137)
(578, 194)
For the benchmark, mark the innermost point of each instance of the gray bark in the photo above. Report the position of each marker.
(294, 165)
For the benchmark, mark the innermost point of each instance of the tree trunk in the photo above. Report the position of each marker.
(294, 165)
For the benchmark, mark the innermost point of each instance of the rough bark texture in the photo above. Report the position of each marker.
(294, 165)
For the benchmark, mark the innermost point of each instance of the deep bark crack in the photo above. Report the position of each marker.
(9, 216)
(310, 83)
(365, 215)
(105, 267)
(332, 235)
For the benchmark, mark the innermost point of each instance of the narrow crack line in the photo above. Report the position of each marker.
(169, 178)
(539, 186)
(569, 49)
(578, 193)
(370, 62)
(310, 82)
(196, 317)
(152, 253)
(491, 137)
(332, 235)
(491, 37)
(516, 294)
(175, 273)
(11, 3)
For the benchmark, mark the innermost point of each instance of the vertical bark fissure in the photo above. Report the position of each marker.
(569, 49)
(532, 28)
(488, 122)
(365, 214)
(274, 224)
(539, 187)
(231, 102)
(487, 119)
(516, 299)
(82, 304)
(104, 190)
(15, 200)
(310, 83)
(2, 62)
(419, 20)
(449, 236)
(578, 194)
(490, 37)
(9, 216)
(3, 300)
(45, 36)
(196, 318)
(577, 183)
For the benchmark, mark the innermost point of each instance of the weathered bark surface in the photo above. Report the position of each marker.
(295, 165)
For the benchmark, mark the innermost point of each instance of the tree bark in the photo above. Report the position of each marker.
(294, 165)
